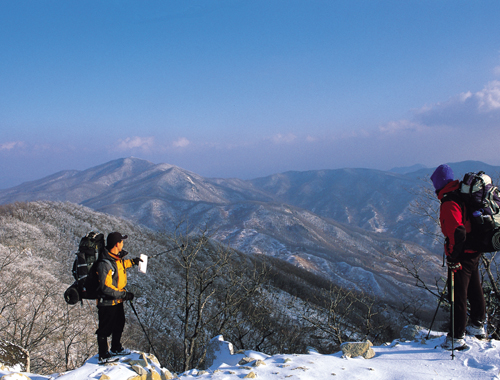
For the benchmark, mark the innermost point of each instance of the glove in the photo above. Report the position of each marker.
(454, 266)
(129, 296)
(136, 260)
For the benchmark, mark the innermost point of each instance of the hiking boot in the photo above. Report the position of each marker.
(455, 344)
(107, 358)
(476, 331)
(121, 352)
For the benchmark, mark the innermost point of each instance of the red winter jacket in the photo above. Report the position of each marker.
(454, 222)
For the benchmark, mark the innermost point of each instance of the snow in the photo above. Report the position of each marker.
(415, 360)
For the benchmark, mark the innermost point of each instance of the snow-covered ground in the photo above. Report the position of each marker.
(418, 359)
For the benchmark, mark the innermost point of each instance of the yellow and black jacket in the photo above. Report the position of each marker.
(112, 276)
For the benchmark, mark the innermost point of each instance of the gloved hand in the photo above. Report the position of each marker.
(136, 260)
(454, 266)
(129, 296)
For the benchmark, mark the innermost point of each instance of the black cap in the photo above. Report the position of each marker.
(113, 238)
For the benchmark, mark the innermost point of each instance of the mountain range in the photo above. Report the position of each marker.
(344, 224)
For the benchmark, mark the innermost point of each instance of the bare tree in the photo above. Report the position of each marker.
(214, 291)
(345, 315)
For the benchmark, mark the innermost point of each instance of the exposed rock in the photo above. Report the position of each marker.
(139, 370)
(145, 358)
(152, 358)
(245, 360)
(355, 349)
(154, 375)
(167, 375)
(12, 356)
(312, 351)
(251, 375)
(140, 363)
(15, 376)
(412, 333)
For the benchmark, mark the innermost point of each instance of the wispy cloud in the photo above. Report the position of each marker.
(402, 125)
(478, 110)
(142, 143)
(181, 143)
(283, 139)
(12, 145)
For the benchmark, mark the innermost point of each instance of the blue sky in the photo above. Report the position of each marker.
(247, 88)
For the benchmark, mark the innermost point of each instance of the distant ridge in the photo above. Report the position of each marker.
(339, 224)
(407, 169)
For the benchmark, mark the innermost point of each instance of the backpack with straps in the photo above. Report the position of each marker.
(89, 252)
(482, 202)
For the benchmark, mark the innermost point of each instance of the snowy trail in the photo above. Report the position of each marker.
(400, 360)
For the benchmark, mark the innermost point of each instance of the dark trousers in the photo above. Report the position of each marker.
(111, 323)
(468, 287)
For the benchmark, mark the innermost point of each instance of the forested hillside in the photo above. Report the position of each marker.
(186, 297)
(309, 219)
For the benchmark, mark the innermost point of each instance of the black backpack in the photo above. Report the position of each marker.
(482, 202)
(90, 250)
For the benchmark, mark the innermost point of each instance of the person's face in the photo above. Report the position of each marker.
(119, 245)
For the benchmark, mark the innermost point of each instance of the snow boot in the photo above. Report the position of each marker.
(116, 346)
(104, 355)
(457, 344)
(120, 352)
(107, 358)
(476, 331)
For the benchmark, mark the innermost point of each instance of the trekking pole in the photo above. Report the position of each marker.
(452, 290)
(441, 297)
(143, 329)
(168, 250)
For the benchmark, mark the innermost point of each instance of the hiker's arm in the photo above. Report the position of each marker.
(453, 228)
(128, 263)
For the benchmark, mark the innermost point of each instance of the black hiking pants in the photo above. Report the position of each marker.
(111, 323)
(468, 287)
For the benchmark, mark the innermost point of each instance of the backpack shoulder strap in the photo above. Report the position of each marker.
(455, 197)
(106, 261)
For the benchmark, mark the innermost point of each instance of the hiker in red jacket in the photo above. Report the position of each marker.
(461, 260)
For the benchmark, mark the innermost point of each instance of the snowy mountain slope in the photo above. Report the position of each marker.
(399, 360)
(127, 179)
(351, 258)
(370, 199)
(291, 216)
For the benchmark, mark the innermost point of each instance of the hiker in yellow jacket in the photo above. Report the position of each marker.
(112, 276)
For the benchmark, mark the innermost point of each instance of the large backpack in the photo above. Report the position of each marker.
(90, 250)
(482, 202)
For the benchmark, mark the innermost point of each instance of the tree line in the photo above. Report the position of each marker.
(188, 296)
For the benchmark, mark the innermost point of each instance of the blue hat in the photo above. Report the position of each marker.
(442, 176)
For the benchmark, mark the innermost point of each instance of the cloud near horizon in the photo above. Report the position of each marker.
(142, 143)
(12, 145)
(283, 139)
(181, 143)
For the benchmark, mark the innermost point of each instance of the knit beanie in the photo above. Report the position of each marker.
(442, 176)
